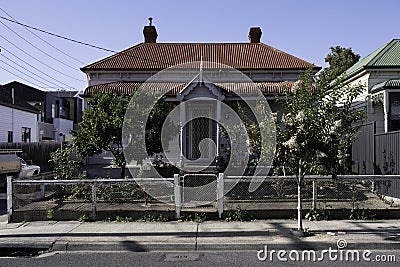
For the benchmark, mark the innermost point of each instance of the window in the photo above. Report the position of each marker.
(394, 111)
(26, 135)
(53, 110)
(10, 137)
(57, 109)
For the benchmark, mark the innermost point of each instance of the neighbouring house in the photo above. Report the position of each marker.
(377, 150)
(272, 70)
(18, 119)
(59, 111)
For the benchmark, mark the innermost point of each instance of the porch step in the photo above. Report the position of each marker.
(193, 169)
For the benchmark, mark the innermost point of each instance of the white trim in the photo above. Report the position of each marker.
(386, 111)
(218, 119)
(182, 120)
(193, 84)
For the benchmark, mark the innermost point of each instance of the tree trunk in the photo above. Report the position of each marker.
(123, 168)
(300, 179)
(299, 209)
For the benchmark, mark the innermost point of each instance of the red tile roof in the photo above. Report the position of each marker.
(172, 88)
(158, 56)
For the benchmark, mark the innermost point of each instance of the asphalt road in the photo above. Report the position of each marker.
(217, 258)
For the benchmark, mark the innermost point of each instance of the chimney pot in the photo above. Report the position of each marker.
(255, 35)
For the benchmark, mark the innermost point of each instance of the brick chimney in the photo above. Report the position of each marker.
(255, 34)
(150, 33)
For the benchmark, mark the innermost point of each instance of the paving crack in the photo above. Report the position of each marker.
(63, 235)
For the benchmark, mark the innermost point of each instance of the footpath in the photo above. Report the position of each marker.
(68, 236)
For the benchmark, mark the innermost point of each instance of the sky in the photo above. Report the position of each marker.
(303, 28)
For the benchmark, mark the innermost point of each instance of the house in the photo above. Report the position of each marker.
(18, 119)
(59, 111)
(270, 69)
(379, 73)
(377, 151)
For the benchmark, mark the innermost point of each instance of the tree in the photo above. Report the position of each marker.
(339, 59)
(316, 130)
(245, 145)
(145, 119)
(252, 149)
(66, 162)
(101, 128)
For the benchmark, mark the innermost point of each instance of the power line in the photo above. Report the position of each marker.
(82, 43)
(12, 73)
(50, 67)
(28, 70)
(24, 73)
(59, 36)
(77, 60)
(33, 67)
(47, 54)
(71, 57)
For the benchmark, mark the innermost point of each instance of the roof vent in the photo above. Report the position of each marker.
(150, 32)
(255, 34)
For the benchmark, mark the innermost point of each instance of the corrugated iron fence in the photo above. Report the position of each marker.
(376, 153)
(387, 153)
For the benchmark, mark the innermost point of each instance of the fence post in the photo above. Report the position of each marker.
(94, 200)
(373, 149)
(220, 194)
(314, 194)
(177, 196)
(9, 198)
(42, 190)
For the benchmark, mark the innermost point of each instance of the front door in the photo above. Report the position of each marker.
(199, 129)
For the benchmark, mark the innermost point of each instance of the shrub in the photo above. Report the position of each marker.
(237, 215)
(315, 214)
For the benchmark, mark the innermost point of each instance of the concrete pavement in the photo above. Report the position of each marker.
(191, 236)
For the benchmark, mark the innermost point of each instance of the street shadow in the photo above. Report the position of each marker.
(297, 243)
(391, 233)
(133, 246)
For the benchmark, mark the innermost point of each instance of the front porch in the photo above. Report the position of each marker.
(384, 107)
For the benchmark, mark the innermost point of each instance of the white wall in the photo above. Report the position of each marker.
(376, 114)
(368, 79)
(21, 119)
(364, 81)
(376, 77)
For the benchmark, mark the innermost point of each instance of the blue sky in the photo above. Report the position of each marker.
(304, 28)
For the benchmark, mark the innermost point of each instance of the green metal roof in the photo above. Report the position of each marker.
(386, 85)
(387, 55)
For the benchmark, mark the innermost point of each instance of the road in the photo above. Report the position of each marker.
(216, 258)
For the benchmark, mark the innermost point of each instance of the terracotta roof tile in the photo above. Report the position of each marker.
(172, 88)
(157, 56)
